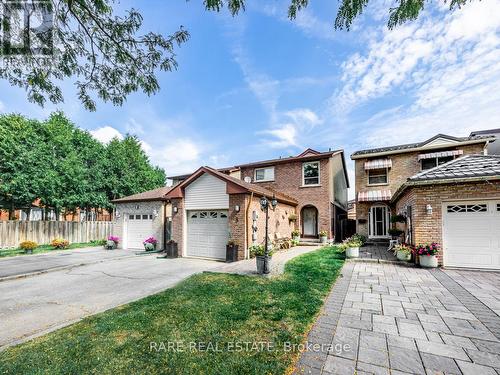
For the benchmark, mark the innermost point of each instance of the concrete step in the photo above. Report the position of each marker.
(309, 242)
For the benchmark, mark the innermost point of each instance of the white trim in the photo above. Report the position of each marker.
(372, 217)
(319, 173)
(263, 168)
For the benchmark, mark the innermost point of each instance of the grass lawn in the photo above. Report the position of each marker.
(46, 248)
(210, 308)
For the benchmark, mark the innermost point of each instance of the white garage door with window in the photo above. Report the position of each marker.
(139, 227)
(471, 234)
(207, 233)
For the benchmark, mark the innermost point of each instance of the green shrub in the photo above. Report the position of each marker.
(28, 245)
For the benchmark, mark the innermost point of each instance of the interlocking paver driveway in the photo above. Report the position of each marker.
(390, 319)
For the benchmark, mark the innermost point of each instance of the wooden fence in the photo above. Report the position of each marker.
(13, 232)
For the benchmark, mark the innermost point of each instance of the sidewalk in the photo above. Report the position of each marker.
(383, 318)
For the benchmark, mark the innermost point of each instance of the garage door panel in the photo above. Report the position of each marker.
(139, 227)
(471, 235)
(207, 233)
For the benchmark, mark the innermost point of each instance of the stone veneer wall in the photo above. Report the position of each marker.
(140, 207)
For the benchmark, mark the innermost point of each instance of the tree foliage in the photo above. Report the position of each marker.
(106, 53)
(66, 168)
(349, 10)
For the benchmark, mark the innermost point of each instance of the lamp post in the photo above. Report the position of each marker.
(264, 204)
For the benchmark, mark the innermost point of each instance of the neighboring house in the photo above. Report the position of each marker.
(351, 209)
(211, 206)
(493, 147)
(447, 188)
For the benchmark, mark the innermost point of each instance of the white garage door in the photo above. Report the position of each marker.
(471, 234)
(207, 234)
(139, 227)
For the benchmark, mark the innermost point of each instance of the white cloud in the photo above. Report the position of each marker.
(304, 116)
(134, 127)
(106, 134)
(177, 156)
(283, 136)
(435, 56)
(2, 107)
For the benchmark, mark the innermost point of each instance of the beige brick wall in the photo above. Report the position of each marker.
(404, 166)
(288, 180)
(428, 228)
(140, 207)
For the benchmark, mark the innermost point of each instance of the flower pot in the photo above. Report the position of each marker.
(110, 245)
(429, 261)
(296, 238)
(260, 264)
(352, 252)
(323, 240)
(401, 255)
(149, 246)
(28, 251)
(231, 253)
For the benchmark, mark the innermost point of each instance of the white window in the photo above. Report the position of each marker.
(264, 174)
(377, 176)
(434, 162)
(310, 173)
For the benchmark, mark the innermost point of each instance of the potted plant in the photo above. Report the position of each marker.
(231, 251)
(28, 246)
(323, 236)
(359, 237)
(398, 219)
(395, 233)
(150, 244)
(296, 235)
(353, 245)
(59, 243)
(112, 242)
(292, 218)
(403, 252)
(427, 255)
(258, 252)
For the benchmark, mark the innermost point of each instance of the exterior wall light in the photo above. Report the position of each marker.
(155, 213)
(118, 214)
(175, 209)
(429, 209)
(237, 208)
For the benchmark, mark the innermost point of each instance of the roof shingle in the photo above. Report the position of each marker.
(150, 195)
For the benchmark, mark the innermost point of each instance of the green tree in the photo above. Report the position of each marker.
(107, 54)
(21, 163)
(401, 12)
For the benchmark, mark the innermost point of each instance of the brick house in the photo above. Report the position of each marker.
(211, 206)
(446, 187)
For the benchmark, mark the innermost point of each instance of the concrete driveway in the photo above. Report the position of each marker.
(26, 264)
(36, 305)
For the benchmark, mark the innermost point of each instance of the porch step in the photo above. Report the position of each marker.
(377, 242)
(309, 242)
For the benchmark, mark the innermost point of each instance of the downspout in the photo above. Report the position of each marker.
(246, 226)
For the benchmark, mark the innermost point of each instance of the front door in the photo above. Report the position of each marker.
(379, 221)
(309, 222)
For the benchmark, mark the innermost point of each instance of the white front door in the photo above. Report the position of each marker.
(379, 221)
(471, 234)
(139, 227)
(310, 221)
(207, 233)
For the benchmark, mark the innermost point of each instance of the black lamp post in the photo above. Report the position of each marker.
(264, 204)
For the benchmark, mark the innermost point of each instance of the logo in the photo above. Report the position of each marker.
(27, 28)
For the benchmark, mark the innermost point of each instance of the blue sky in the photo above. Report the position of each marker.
(260, 86)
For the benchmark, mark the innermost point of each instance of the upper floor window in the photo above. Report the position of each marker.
(377, 176)
(434, 162)
(310, 173)
(264, 174)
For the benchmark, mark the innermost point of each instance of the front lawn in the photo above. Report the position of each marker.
(46, 248)
(214, 311)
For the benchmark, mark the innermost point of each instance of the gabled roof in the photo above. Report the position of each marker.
(468, 168)
(234, 186)
(151, 195)
(485, 132)
(438, 141)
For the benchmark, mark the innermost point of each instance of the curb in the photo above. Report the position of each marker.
(60, 268)
(381, 261)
